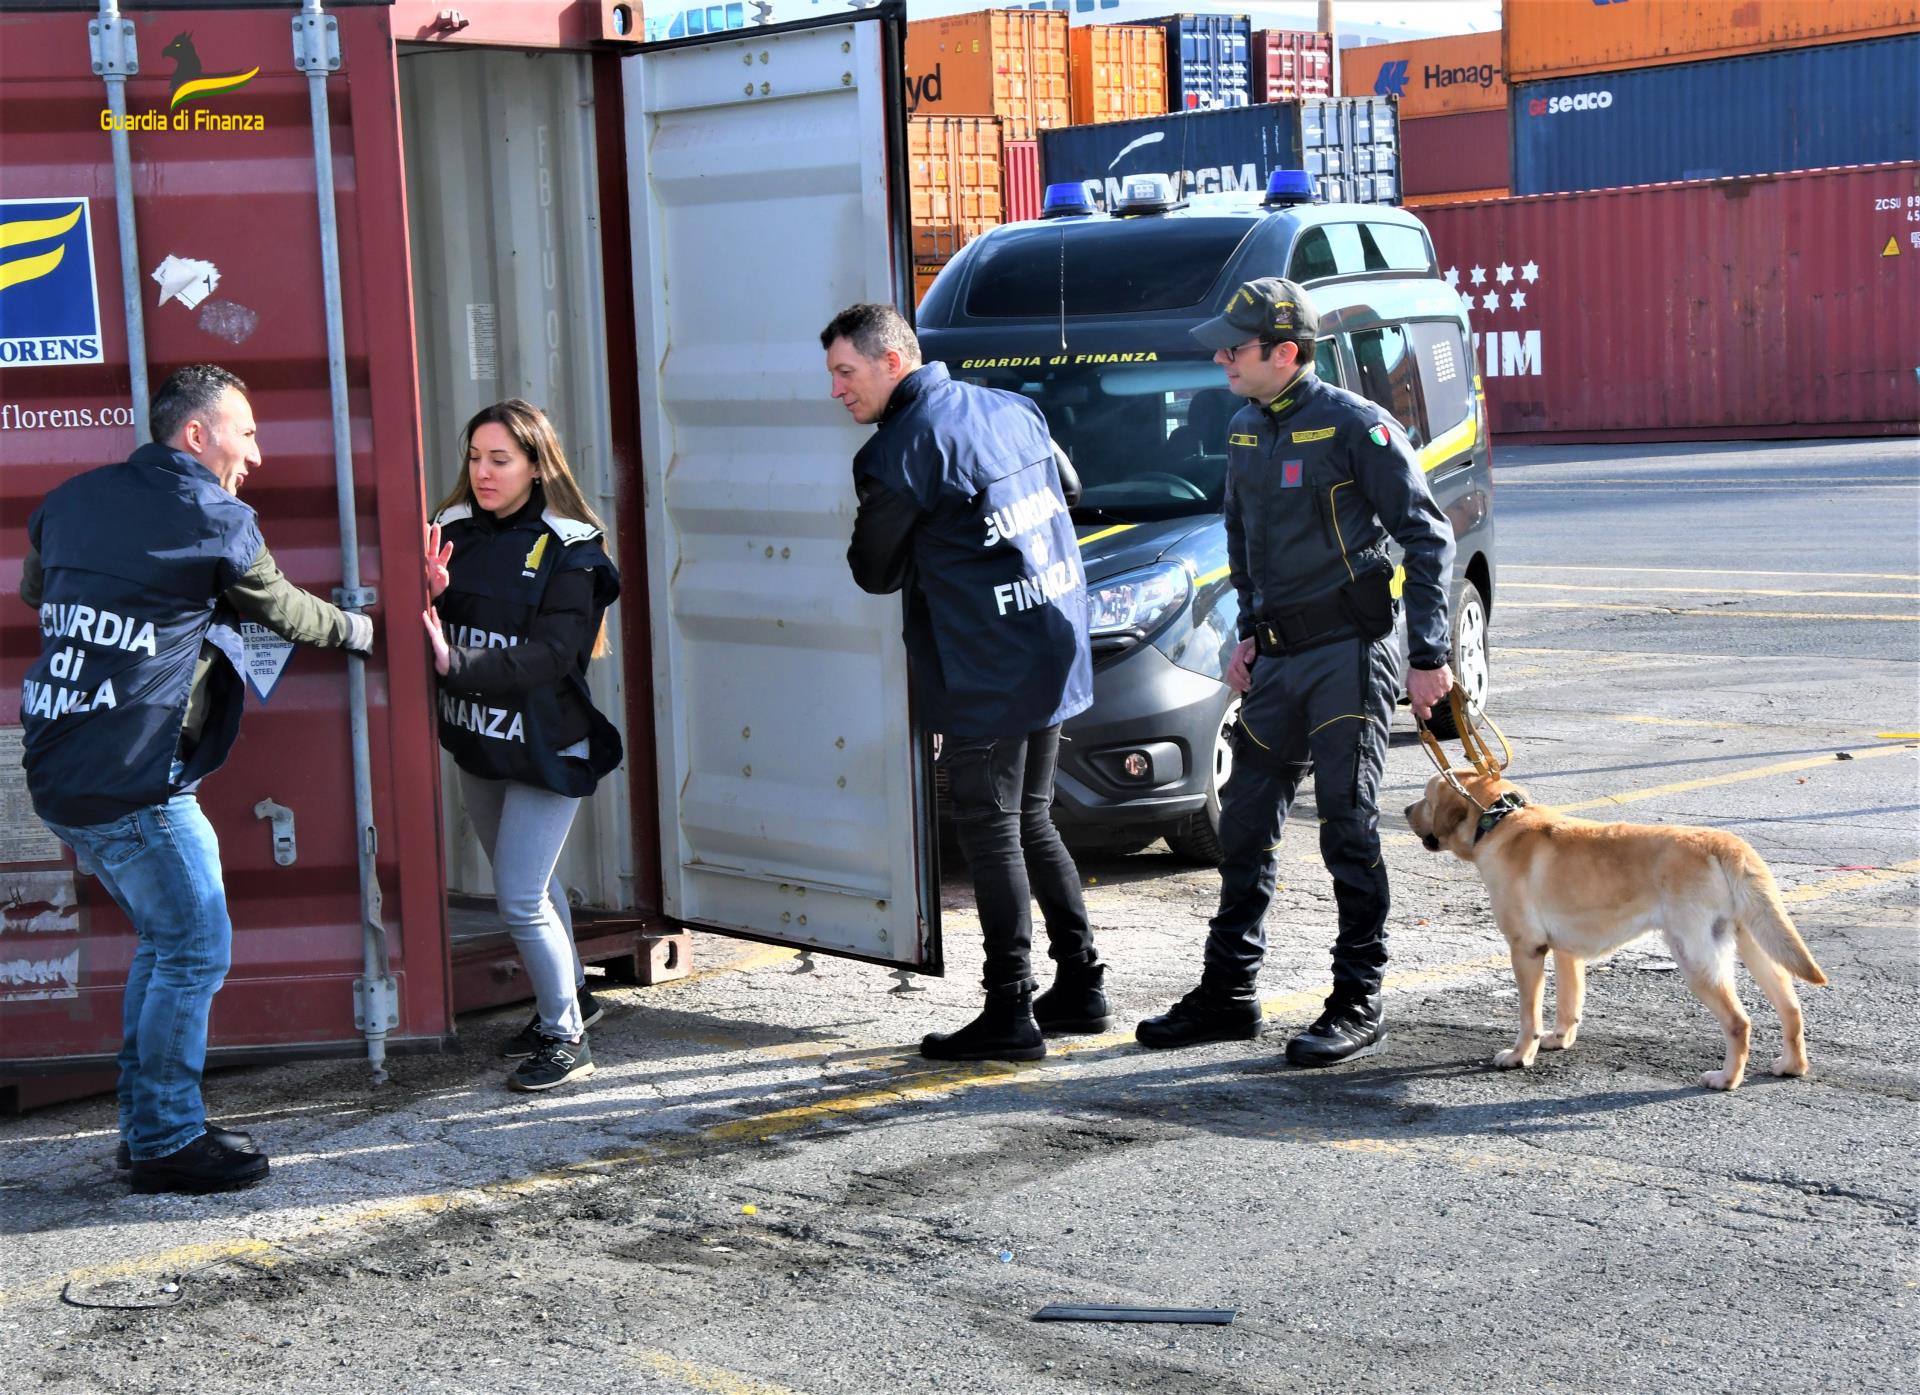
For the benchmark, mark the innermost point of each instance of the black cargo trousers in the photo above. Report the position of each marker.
(1326, 710)
(1000, 793)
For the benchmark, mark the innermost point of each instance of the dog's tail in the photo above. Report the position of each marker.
(1761, 913)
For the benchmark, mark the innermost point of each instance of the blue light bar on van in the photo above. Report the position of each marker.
(1145, 193)
(1066, 201)
(1289, 186)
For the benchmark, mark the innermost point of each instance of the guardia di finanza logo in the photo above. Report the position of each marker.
(190, 85)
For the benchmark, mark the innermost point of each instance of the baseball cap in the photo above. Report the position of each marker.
(1270, 308)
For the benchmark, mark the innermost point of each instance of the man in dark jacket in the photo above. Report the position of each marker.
(962, 506)
(1317, 480)
(141, 573)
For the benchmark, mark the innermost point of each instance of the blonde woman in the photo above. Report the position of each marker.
(521, 585)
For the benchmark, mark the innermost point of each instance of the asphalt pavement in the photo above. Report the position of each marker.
(764, 1190)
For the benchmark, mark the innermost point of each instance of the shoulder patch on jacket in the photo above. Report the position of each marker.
(1241, 438)
(1377, 434)
(454, 513)
(570, 530)
(1324, 433)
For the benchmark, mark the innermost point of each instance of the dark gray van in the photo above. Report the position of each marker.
(1088, 316)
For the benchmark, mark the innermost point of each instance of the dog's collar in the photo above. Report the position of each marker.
(1496, 811)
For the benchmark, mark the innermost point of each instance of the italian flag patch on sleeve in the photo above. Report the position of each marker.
(1377, 434)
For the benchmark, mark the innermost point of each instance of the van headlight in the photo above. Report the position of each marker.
(1137, 603)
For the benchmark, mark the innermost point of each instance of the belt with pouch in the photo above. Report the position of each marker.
(1363, 608)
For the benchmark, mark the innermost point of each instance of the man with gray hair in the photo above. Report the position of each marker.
(963, 505)
(141, 573)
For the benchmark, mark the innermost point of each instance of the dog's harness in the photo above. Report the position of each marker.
(1491, 815)
(1466, 723)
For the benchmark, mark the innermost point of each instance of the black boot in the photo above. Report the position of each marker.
(1349, 1029)
(1077, 1002)
(1004, 1031)
(204, 1165)
(226, 1138)
(1212, 1012)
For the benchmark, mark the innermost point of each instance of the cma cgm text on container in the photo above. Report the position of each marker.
(1662, 312)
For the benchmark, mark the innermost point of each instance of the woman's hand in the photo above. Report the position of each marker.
(437, 639)
(437, 558)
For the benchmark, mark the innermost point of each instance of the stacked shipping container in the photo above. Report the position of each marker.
(1207, 61)
(1661, 312)
(1289, 64)
(1453, 111)
(953, 182)
(1119, 72)
(1350, 147)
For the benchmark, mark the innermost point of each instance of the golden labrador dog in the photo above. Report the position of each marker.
(1582, 890)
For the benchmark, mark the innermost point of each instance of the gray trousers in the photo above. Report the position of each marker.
(522, 828)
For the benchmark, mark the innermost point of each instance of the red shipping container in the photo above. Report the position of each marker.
(1020, 171)
(1661, 312)
(1442, 154)
(1287, 64)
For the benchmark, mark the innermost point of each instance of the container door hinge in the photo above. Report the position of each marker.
(316, 43)
(376, 1000)
(284, 848)
(111, 44)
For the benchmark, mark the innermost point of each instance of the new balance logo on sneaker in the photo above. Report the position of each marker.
(554, 1063)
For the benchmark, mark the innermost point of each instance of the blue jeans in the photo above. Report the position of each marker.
(162, 865)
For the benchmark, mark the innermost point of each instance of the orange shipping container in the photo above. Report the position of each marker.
(923, 282)
(1006, 63)
(1119, 72)
(1431, 77)
(1553, 38)
(953, 181)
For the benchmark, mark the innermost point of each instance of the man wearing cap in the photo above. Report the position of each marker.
(1318, 479)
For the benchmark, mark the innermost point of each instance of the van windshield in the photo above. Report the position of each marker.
(1149, 440)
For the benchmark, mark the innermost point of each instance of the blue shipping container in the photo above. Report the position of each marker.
(1350, 145)
(1207, 63)
(1763, 113)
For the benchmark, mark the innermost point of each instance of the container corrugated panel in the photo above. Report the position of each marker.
(1207, 61)
(1020, 192)
(1808, 108)
(1119, 72)
(1554, 38)
(297, 927)
(1006, 63)
(954, 183)
(1662, 312)
(1288, 64)
(1431, 77)
(1443, 153)
(1350, 146)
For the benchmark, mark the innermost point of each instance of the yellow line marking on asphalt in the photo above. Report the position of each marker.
(1607, 801)
(1724, 613)
(1896, 736)
(757, 958)
(1711, 591)
(1697, 571)
(711, 1379)
(1853, 881)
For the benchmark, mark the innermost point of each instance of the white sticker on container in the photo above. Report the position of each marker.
(23, 838)
(186, 279)
(267, 656)
(483, 352)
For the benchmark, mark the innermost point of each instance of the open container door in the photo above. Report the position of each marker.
(766, 190)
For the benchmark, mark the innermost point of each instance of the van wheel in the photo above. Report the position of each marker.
(1472, 668)
(1197, 837)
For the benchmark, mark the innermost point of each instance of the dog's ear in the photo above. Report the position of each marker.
(1449, 812)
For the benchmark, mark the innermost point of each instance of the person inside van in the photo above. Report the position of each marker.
(521, 584)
